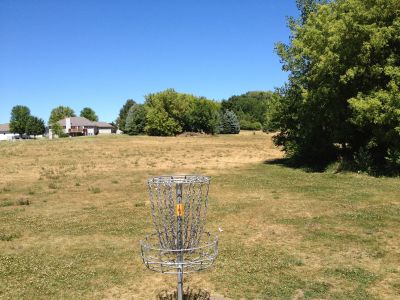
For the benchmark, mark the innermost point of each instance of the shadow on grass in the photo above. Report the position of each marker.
(291, 163)
(338, 166)
(188, 294)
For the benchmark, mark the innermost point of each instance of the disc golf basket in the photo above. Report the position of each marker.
(180, 244)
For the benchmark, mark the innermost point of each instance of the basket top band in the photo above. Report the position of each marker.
(170, 179)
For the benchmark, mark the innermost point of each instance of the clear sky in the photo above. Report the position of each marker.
(100, 53)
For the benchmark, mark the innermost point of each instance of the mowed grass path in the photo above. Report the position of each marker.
(72, 213)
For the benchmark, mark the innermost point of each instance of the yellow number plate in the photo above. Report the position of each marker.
(179, 210)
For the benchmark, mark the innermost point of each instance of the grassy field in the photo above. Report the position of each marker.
(72, 213)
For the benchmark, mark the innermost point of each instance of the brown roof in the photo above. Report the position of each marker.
(5, 127)
(103, 124)
(81, 121)
(77, 121)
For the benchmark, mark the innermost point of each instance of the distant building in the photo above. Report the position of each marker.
(5, 134)
(104, 128)
(4, 128)
(80, 126)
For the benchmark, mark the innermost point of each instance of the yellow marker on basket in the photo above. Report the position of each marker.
(179, 210)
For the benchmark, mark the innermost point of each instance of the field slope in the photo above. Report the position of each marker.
(72, 213)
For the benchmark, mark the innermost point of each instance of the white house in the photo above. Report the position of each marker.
(5, 134)
(78, 126)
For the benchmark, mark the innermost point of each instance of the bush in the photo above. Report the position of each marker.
(249, 125)
(363, 160)
(230, 123)
(58, 130)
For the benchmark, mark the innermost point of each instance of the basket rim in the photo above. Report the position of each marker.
(149, 246)
(179, 178)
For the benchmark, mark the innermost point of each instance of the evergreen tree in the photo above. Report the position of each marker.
(123, 113)
(135, 120)
(230, 123)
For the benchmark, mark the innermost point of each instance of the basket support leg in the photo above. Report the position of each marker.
(179, 242)
(180, 285)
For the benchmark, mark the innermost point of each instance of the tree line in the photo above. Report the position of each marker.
(23, 123)
(169, 113)
(165, 113)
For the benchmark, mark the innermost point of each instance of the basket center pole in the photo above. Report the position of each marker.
(179, 215)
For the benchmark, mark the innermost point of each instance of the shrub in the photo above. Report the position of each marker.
(58, 130)
(363, 160)
(249, 125)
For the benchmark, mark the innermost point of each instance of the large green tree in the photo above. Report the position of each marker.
(205, 116)
(89, 114)
(135, 120)
(20, 115)
(343, 90)
(168, 112)
(35, 126)
(60, 112)
(123, 113)
(306, 7)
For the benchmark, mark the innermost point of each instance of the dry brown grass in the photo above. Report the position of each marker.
(286, 233)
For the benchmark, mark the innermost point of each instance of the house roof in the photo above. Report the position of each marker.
(5, 127)
(81, 121)
(77, 121)
(103, 124)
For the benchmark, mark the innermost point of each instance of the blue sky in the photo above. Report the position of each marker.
(101, 53)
